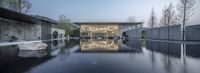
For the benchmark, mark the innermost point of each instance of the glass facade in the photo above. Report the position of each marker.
(101, 30)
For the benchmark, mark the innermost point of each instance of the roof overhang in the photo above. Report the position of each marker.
(16, 16)
(112, 23)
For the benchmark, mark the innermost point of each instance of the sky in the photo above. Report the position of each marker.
(105, 10)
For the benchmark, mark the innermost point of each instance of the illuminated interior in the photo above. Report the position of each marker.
(98, 30)
(100, 45)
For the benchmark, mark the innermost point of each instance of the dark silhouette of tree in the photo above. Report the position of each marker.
(163, 20)
(153, 20)
(22, 6)
(169, 17)
(131, 19)
(186, 10)
(64, 23)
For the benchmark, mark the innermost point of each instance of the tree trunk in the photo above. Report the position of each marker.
(184, 19)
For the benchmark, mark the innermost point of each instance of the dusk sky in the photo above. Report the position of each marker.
(104, 10)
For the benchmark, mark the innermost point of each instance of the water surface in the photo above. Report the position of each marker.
(103, 56)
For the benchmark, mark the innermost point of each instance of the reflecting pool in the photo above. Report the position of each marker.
(103, 56)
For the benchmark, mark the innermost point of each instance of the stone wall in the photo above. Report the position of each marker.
(20, 30)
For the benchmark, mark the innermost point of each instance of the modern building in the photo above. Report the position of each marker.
(106, 29)
(19, 26)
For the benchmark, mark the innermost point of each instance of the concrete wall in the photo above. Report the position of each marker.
(193, 33)
(162, 33)
(135, 33)
(155, 33)
(175, 32)
(170, 49)
(61, 32)
(23, 31)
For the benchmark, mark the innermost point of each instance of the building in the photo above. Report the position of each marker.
(106, 29)
(57, 33)
(18, 26)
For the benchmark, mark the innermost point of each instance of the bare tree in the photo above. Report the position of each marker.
(131, 19)
(2, 3)
(22, 6)
(65, 23)
(163, 20)
(169, 17)
(152, 20)
(186, 10)
(25, 6)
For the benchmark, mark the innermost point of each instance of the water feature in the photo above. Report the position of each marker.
(103, 56)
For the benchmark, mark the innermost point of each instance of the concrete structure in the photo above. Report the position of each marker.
(193, 33)
(135, 33)
(20, 26)
(167, 33)
(106, 29)
(57, 31)
(160, 33)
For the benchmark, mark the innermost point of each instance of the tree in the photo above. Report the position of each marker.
(131, 19)
(168, 17)
(163, 20)
(66, 24)
(186, 10)
(152, 20)
(22, 6)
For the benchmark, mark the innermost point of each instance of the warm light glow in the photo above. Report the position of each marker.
(97, 45)
(106, 30)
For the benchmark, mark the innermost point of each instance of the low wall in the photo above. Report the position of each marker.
(135, 33)
(167, 33)
(61, 32)
(162, 33)
(155, 33)
(175, 32)
(193, 33)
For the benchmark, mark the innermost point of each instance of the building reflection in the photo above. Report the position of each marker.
(193, 50)
(171, 49)
(132, 45)
(110, 45)
(99, 45)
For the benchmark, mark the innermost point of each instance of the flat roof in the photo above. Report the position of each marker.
(16, 16)
(121, 23)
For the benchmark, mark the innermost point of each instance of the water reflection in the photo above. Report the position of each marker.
(109, 45)
(99, 45)
(102, 56)
(38, 54)
(193, 50)
(171, 49)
